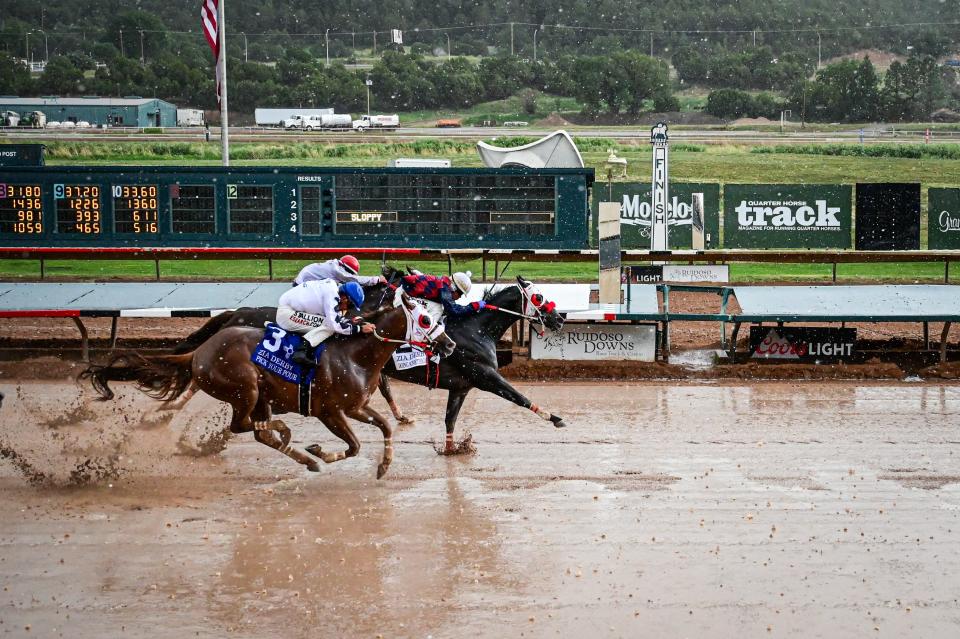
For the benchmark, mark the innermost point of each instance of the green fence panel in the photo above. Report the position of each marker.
(943, 218)
(634, 199)
(787, 216)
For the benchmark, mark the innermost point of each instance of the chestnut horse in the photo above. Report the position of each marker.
(347, 374)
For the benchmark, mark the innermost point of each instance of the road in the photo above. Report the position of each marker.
(626, 134)
(701, 510)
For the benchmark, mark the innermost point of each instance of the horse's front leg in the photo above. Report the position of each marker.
(489, 379)
(336, 423)
(455, 400)
(387, 393)
(370, 416)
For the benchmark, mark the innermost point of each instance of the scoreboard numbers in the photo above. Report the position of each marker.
(136, 208)
(21, 209)
(78, 208)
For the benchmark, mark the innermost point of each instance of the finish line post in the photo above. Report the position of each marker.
(659, 191)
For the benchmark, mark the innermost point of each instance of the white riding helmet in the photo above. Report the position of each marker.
(462, 281)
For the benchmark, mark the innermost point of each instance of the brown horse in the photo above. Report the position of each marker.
(346, 377)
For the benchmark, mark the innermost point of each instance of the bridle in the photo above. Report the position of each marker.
(535, 306)
(431, 332)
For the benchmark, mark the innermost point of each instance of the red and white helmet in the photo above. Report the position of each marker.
(350, 263)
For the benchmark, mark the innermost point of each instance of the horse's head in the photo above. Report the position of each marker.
(537, 308)
(425, 324)
(392, 275)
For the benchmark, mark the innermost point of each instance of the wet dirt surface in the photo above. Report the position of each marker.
(710, 510)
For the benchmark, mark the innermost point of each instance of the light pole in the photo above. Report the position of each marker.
(535, 44)
(511, 38)
(142, 58)
(326, 39)
(245, 57)
(121, 42)
(369, 84)
(46, 49)
(26, 51)
(818, 50)
(449, 52)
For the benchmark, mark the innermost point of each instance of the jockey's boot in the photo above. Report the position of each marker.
(303, 355)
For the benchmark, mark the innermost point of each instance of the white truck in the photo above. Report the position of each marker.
(376, 122)
(304, 122)
(190, 117)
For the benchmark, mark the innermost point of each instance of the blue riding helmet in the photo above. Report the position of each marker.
(354, 292)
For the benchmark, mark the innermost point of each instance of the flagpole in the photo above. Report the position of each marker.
(222, 66)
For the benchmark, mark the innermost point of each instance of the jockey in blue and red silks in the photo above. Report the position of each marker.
(444, 290)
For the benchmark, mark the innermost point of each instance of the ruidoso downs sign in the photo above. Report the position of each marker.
(597, 342)
(636, 212)
(943, 224)
(678, 273)
(802, 343)
(787, 216)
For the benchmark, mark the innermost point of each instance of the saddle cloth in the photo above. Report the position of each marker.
(274, 351)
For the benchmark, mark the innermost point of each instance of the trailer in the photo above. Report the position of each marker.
(376, 122)
(190, 117)
(273, 117)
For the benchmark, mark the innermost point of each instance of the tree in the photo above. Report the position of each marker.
(61, 77)
(729, 103)
(456, 83)
(14, 77)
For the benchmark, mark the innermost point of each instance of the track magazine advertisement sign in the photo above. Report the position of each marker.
(802, 343)
(636, 212)
(943, 225)
(581, 342)
(787, 216)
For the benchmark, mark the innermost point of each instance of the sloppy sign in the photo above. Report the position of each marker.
(802, 343)
(597, 342)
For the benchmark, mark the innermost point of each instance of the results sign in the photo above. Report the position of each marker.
(787, 216)
(581, 342)
(802, 343)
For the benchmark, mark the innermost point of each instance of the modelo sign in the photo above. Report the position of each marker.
(787, 216)
(802, 343)
(579, 342)
(636, 212)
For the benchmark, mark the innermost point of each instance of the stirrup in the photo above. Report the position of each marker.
(305, 355)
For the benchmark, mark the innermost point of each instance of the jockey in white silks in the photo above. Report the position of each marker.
(346, 269)
(317, 310)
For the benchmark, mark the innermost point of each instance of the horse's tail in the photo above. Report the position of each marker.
(162, 377)
(202, 334)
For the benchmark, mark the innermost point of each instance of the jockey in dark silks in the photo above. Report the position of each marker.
(444, 290)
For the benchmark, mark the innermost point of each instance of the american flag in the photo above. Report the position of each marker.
(208, 16)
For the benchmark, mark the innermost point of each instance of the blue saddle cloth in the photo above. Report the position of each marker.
(274, 351)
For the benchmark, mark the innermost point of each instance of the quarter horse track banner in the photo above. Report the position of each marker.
(789, 216)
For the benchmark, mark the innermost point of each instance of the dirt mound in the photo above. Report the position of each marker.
(554, 120)
(880, 59)
(645, 119)
(751, 121)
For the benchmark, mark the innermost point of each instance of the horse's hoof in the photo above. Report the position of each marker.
(381, 471)
(560, 424)
(405, 421)
(313, 467)
(315, 450)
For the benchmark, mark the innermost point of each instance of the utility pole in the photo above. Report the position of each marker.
(449, 52)
(26, 52)
(818, 50)
(369, 84)
(511, 39)
(142, 58)
(326, 39)
(245, 57)
(651, 44)
(374, 43)
(535, 44)
(121, 42)
(754, 38)
(222, 64)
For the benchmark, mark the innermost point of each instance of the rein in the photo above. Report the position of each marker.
(535, 318)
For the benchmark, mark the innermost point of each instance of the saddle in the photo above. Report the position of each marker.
(273, 355)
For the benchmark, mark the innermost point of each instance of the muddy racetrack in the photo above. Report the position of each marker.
(765, 509)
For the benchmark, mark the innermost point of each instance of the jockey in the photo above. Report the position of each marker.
(346, 269)
(317, 310)
(442, 289)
